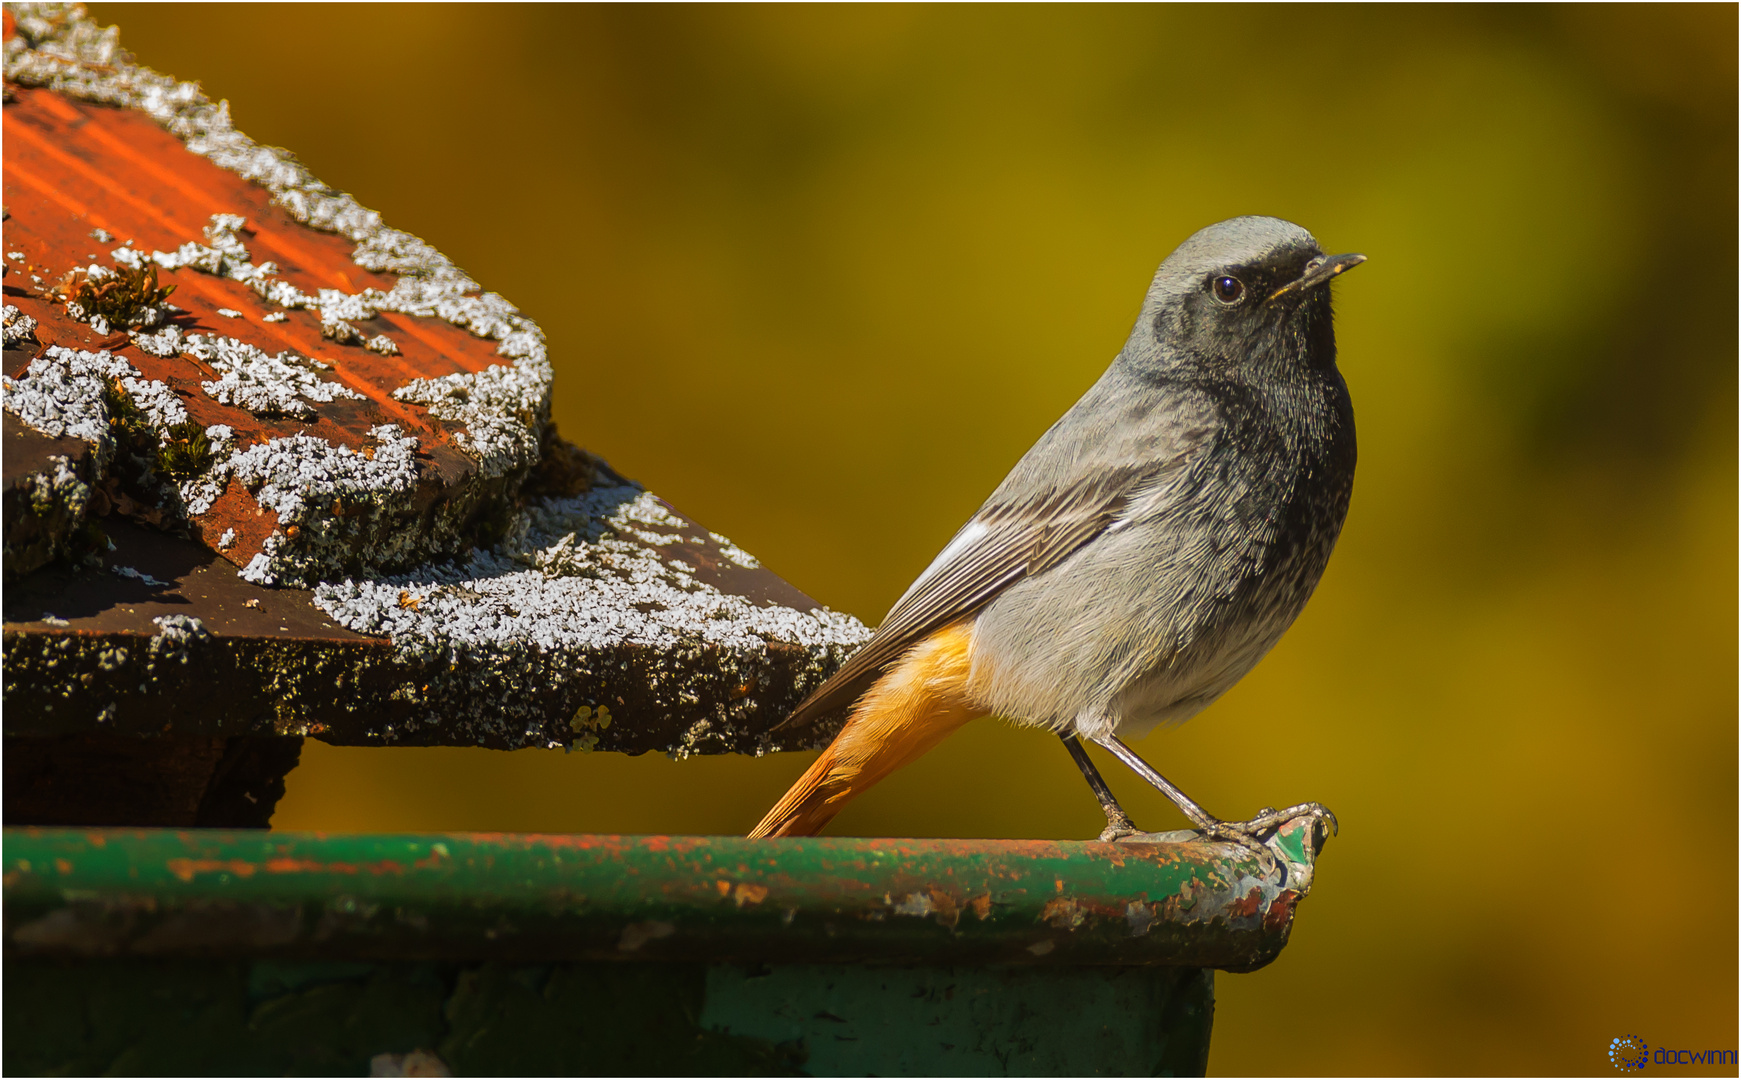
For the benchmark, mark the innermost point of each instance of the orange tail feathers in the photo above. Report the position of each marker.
(916, 703)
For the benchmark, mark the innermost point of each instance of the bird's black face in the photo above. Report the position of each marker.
(1268, 314)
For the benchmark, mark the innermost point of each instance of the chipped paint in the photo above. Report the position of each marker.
(939, 904)
(1063, 913)
(659, 898)
(745, 893)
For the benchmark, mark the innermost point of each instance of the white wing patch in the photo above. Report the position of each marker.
(964, 539)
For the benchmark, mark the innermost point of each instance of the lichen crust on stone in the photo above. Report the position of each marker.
(19, 327)
(332, 499)
(62, 392)
(502, 412)
(487, 403)
(175, 633)
(266, 385)
(579, 580)
(44, 509)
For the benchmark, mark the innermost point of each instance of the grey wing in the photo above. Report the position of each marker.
(1003, 543)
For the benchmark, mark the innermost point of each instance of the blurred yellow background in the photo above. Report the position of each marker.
(819, 276)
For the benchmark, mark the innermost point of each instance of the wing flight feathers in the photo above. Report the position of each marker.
(1015, 540)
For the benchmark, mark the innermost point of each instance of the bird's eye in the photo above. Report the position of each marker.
(1228, 290)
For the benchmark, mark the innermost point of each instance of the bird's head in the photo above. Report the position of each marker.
(1250, 294)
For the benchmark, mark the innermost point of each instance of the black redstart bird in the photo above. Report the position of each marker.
(1143, 556)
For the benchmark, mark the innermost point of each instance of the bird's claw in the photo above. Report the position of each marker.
(1253, 834)
(1268, 820)
(1275, 819)
(1114, 833)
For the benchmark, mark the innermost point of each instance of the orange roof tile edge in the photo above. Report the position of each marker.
(326, 395)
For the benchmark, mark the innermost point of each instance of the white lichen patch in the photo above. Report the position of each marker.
(19, 326)
(292, 475)
(223, 254)
(64, 392)
(573, 576)
(323, 493)
(736, 554)
(166, 342)
(337, 330)
(44, 509)
(575, 622)
(156, 400)
(200, 492)
(328, 498)
(488, 403)
(266, 385)
(174, 634)
(61, 393)
(178, 627)
(138, 575)
(365, 520)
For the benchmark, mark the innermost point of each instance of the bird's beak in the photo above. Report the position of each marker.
(1318, 271)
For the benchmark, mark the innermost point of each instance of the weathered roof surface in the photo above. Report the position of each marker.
(277, 467)
(357, 362)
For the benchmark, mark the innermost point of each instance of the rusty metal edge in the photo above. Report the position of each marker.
(1179, 901)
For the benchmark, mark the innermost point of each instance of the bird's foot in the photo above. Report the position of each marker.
(1241, 833)
(1253, 833)
(1117, 828)
(1268, 820)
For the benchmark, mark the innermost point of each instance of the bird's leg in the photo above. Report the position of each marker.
(1212, 827)
(1118, 822)
(1203, 819)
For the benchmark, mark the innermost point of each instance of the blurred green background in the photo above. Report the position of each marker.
(819, 276)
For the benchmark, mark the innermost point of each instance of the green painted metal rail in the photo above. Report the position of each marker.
(161, 892)
(158, 951)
